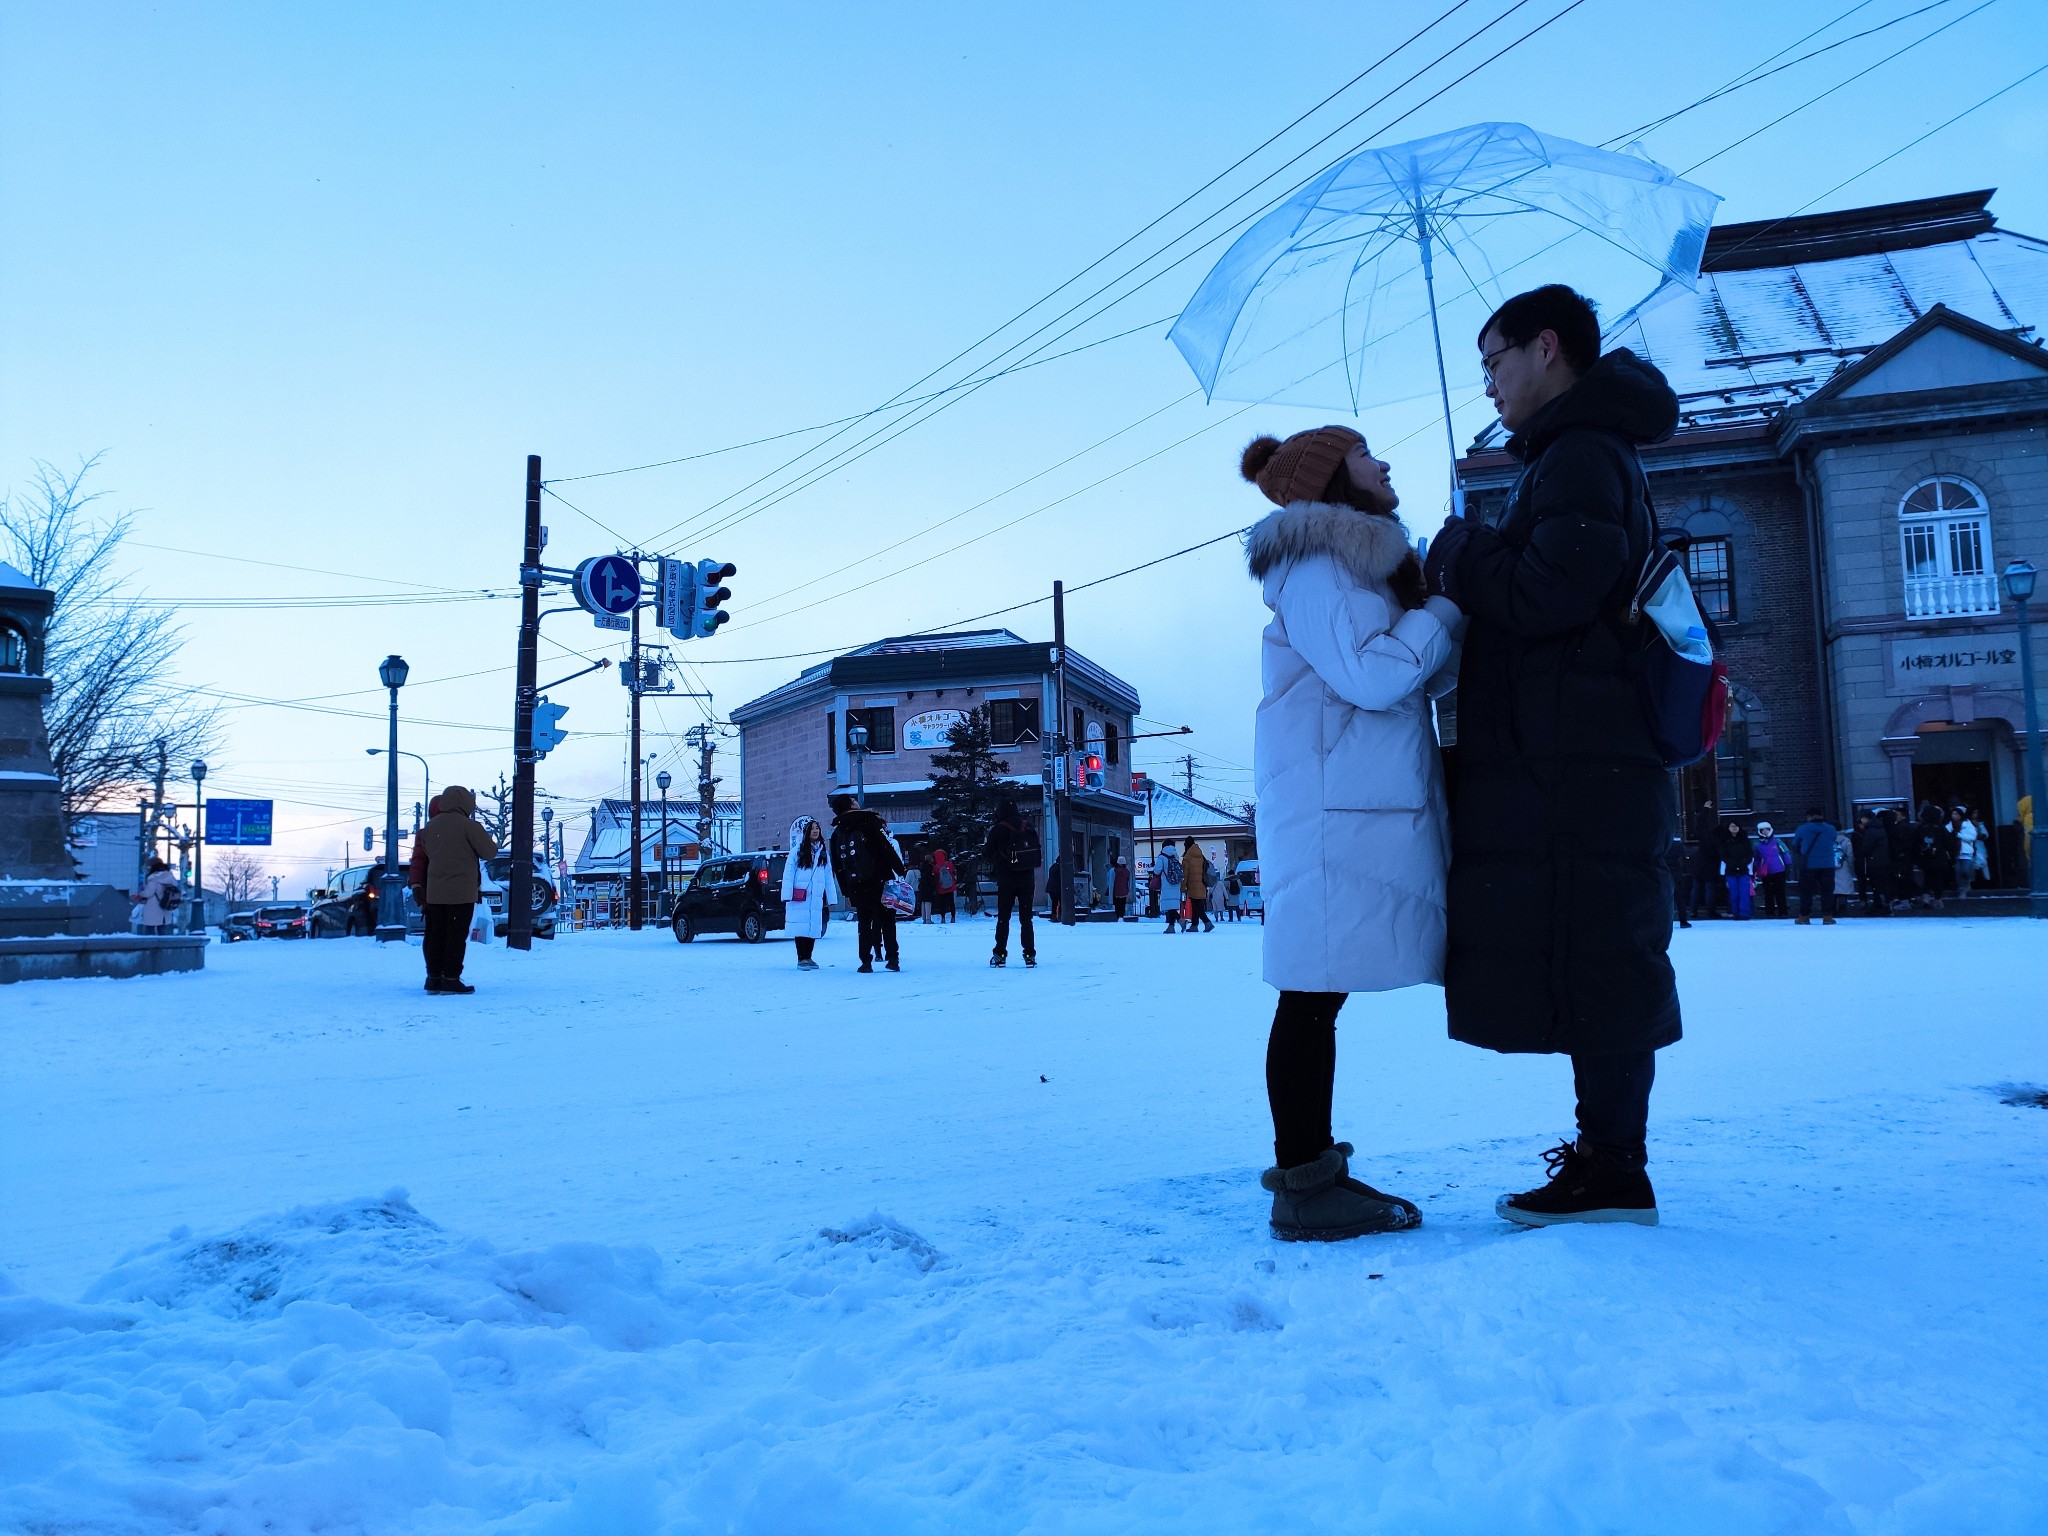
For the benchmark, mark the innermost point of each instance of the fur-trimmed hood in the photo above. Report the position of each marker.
(1366, 546)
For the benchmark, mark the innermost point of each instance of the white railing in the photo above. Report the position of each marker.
(1941, 597)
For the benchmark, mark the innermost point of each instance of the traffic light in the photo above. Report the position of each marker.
(547, 726)
(705, 613)
(1091, 771)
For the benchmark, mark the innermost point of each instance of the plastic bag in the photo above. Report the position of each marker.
(480, 923)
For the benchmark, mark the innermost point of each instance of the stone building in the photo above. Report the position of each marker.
(908, 691)
(1863, 445)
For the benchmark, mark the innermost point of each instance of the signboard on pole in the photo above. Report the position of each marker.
(927, 732)
(607, 584)
(672, 595)
(238, 823)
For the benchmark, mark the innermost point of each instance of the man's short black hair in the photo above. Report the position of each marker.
(1553, 307)
(1815, 813)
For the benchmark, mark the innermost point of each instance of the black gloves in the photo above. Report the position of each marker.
(1440, 566)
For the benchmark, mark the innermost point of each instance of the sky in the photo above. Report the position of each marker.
(316, 280)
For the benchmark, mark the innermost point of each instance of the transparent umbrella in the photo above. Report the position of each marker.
(1341, 295)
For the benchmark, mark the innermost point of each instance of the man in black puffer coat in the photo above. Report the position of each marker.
(1560, 899)
(864, 859)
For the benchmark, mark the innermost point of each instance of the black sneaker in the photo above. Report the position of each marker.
(865, 968)
(1584, 1186)
(456, 987)
(999, 959)
(1030, 961)
(892, 966)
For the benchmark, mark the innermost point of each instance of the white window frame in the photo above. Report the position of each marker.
(1944, 592)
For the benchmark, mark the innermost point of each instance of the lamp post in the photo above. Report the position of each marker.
(426, 774)
(662, 782)
(2018, 580)
(392, 673)
(857, 744)
(197, 921)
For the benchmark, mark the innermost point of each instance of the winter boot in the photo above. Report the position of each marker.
(1827, 922)
(1585, 1185)
(1319, 1202)
(1803, 922)
(1030, 960)
(999, 959)
(456, 985)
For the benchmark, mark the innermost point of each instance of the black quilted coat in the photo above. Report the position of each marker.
(1560, 899)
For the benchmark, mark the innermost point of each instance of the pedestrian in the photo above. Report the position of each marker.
(1873, 865)
(1962, 832)
(1814, 842)
(864, 860)
(1012, 856)
(1770, 869)
(1933, 855)
(919, 875)
(1560, 921)
(808, 889)
(1120, 887)
(945, 887)
(1194, 882)
(1707, 888)
(1053, 892)
(1169, 891)
(1736, 858)
(1847, 880)
(1352, 818)
(1676, 861)
(449, 885)
(1152, 887)
(158, 900)
(1983, 846)
(1230, 897)
(1902, 842)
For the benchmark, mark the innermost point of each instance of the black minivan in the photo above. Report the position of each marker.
(740, 894)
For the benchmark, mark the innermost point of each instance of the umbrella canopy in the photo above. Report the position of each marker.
(1340, 296)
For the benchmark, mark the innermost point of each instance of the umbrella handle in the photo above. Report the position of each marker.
(1442, 381)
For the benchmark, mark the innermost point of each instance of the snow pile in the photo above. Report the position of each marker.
(1070, 1319)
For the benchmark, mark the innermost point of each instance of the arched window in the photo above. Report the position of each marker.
(1731, 762)
(1945, 548)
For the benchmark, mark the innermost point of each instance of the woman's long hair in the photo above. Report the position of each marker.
(805, 858)
(1409, 588)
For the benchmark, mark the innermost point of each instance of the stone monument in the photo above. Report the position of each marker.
(51, 922)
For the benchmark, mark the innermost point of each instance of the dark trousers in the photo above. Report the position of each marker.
(804, 948)
(877, 927)
(1817, 885)
(1774, 895)
(1006, 898)
(1200, 909)
(447, 938)
(1121, 903)
(1707, 891)
(1301, 1071)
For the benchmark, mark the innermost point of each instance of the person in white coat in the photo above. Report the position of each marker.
(808, 889)
(1354, 838)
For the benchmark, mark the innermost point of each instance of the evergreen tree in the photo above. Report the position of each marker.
(967, 783)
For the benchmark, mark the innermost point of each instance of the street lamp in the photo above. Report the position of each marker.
(2018, 580)
(857, 743)
(662, 782)
(197, 922)
(392, 672)
(426, 774)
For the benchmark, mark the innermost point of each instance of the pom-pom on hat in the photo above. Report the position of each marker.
(1299, 469)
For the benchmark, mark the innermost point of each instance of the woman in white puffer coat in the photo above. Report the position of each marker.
(1354, 835)
(808, 889)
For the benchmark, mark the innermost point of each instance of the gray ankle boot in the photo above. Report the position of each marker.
(1319, 1202)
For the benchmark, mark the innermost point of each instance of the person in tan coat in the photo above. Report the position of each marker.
(448, 879)
(1195, 882)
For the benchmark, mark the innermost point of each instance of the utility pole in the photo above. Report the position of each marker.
(633, 891)
(519, 889)
(1187, 768)
(705, 740)
(1064, 749)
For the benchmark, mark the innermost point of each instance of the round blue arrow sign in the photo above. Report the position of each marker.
(607, 584)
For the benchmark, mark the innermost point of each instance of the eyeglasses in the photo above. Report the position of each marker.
(1486, 358)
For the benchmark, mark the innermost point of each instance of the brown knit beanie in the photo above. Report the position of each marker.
(1299, 469)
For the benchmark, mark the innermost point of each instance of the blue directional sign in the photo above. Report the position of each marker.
(238, 823)
(608, 584)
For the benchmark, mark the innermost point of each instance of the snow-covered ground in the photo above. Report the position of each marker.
(645, 1238)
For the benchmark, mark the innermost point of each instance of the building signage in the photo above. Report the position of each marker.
(1957, 661)
(238, 823)
(927, 732)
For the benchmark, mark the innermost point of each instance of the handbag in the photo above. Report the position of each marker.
(899, 896)
(800, 893)
(1187, 909)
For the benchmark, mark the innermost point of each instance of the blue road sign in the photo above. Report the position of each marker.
(607, 584)
(238, 823)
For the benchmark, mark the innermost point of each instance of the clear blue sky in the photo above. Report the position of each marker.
(318, 278)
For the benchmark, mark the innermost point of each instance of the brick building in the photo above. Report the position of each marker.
(908, 692)
(1863, 445)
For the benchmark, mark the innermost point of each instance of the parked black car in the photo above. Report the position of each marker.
(740, 894)
(349, 906)
(282, 922)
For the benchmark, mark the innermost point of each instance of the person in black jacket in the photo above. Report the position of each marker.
(1560, 901)
(864, 859)
(1012, 858)
(1707, 889)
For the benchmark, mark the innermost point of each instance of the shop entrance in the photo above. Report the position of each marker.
(1953, 768)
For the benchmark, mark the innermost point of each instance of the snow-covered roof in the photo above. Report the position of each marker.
(10, 577)
(1784, 303)
(1174, 811)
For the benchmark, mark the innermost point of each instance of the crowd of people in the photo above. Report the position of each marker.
(1886, 864)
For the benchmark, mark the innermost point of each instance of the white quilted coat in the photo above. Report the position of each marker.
(1354, 833)
(806, 919)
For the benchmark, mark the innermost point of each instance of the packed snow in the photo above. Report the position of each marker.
(651, 1238)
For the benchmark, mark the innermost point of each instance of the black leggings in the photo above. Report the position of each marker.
(804, 948)
(1301, 1074)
